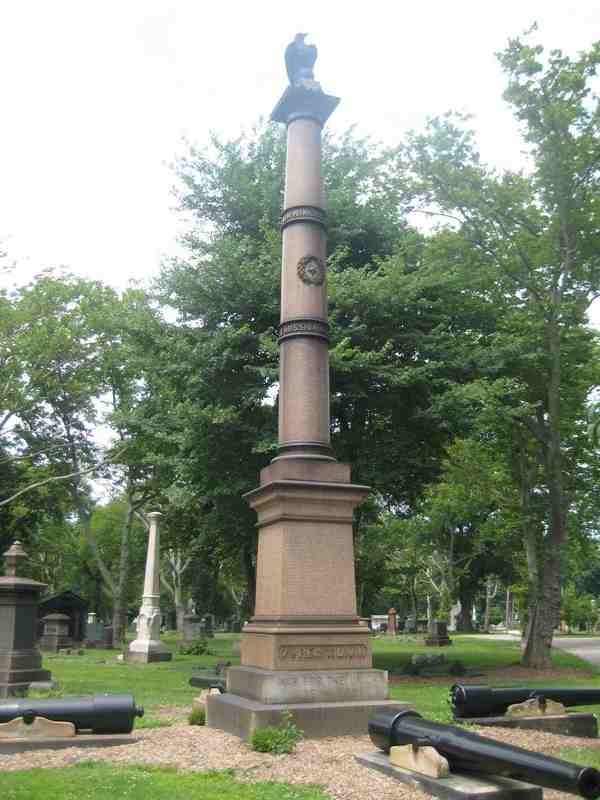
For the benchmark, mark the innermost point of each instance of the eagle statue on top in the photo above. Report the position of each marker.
(300, 59)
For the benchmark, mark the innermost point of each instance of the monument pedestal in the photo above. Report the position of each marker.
(20, 659)
(305, 650)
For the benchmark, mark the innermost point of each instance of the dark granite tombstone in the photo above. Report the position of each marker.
(20, 659)
(56, 632)
(71, 604)
(94, 632)
(192, 627)
(410, 626)
(438, 634)
(207, 628)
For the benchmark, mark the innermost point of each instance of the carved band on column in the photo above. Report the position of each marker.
(304, 326)
(304, 214)
(304, 448)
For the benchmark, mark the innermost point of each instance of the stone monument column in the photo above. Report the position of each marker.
(147, 646)
(305, 648)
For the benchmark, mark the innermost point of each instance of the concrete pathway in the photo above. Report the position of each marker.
(586, 647)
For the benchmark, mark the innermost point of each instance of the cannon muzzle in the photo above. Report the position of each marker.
(469, 752)
(485, 701)
(102, 713)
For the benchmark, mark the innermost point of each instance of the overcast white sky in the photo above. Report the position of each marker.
(96, 97)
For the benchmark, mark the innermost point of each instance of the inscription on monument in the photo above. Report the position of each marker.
(311, 270)
(340, 652)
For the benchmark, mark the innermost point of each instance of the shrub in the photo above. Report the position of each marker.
(199, 647)
(197, 716)
(277, 740)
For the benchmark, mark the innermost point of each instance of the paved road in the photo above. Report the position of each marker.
(585, 647)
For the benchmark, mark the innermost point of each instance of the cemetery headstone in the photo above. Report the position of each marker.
(94, 632)
(20, 659)
(192, 627)
(208, 626)
(71, 604)
(410, 626)
(438, 634)
(56, 633)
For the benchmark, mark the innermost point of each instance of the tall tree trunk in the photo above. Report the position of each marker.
(490, 593)
(508, 610)
(119, 618)
(464, 620)
(544, 608)
(543, 618)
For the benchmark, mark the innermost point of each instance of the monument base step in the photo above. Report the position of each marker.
(458, 785)
(274, 687)
(579, 724)
(241, 717)
(147, 658)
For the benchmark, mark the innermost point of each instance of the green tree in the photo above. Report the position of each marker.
(536, 234)
(389, 365)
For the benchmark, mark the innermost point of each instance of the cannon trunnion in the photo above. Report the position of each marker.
(469, 752)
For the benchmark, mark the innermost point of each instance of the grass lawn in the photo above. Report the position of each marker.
(110, 782)
(166, 684)
(586, 756)
(153, 685)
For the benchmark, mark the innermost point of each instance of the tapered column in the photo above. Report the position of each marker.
(147, 646)
(304, 355)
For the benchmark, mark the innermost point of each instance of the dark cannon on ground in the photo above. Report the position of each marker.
(212, 679)
(484, 701)
(469, 752)
(102, 713)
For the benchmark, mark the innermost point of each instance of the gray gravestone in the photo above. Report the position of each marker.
(208, 626)
(56, 632)
(192, 627)
(20, 659)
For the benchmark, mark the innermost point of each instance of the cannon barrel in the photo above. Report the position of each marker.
(102, 713)
(469, 752)
(484, 701)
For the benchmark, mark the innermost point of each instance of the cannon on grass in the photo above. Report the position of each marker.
(212, 678)
(470, 753)
(100, 714)
(484, 701)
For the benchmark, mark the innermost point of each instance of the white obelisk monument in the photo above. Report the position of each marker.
(147, 646)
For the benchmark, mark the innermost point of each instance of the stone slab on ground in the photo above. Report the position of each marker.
(579, 724)
(13, 746)
(240, 716)
(302, 686)
(458, 786)
(146, 658)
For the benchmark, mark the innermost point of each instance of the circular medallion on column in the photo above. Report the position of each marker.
(311, 270)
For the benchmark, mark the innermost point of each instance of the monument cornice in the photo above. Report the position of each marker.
(304, 101)
(304, 501)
